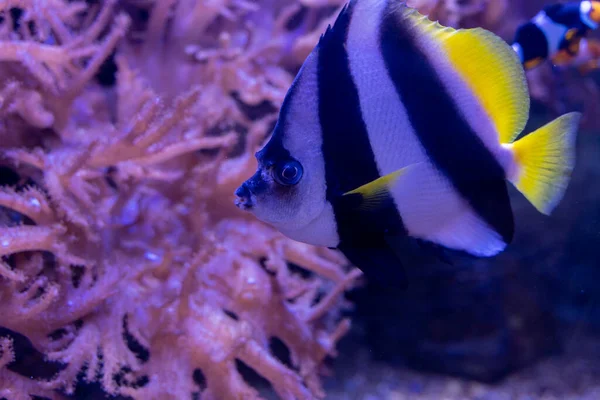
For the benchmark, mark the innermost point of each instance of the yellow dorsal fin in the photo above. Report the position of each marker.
(489, 66)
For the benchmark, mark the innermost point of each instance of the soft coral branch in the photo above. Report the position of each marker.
(12, 385)
(100, 52)
(28, 238)
(31, 203)
(123, 254)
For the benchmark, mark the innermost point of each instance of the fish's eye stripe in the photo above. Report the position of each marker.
(448, 139)
(348, 154)
(274, 151)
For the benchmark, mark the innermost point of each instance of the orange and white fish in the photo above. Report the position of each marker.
(556, 33)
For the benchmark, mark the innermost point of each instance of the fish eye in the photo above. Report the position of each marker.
(288, 173)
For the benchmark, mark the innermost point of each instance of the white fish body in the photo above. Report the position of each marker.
(398, 127)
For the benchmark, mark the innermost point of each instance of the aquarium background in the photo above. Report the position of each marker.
(127, 272)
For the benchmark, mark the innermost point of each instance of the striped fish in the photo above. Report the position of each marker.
(556, 33)
(396, 127)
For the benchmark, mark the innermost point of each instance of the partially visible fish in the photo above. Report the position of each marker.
(556, 33)
(399, 129)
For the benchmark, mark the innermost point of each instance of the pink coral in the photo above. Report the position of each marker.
(128, 261)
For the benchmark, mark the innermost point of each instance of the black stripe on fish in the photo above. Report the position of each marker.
(533, 42)
(274, 150)
(447, 137)
(568, 14)
(348, 155)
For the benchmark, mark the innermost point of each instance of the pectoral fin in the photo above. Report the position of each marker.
(375, 194)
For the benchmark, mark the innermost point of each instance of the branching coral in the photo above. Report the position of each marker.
(123, 258)
(14, 386)
(53, 49)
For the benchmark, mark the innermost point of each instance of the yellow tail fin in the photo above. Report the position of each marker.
(546, 158)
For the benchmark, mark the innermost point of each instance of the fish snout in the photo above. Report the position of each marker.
(244, 197)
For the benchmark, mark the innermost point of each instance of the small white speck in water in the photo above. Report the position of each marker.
(151, 256)
(34, 202)
(217, 355)
(5, 243)
(251, 281)
(190, 134)
(174, 284)
(70, 303)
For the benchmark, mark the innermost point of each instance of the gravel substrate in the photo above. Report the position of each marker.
(573, 375)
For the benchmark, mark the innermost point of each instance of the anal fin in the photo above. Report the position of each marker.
(380, 265)
(434, 211)
(446, 255)
(389, 263)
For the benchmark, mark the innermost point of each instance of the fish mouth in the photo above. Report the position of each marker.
(243, 199)
(242, 204)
